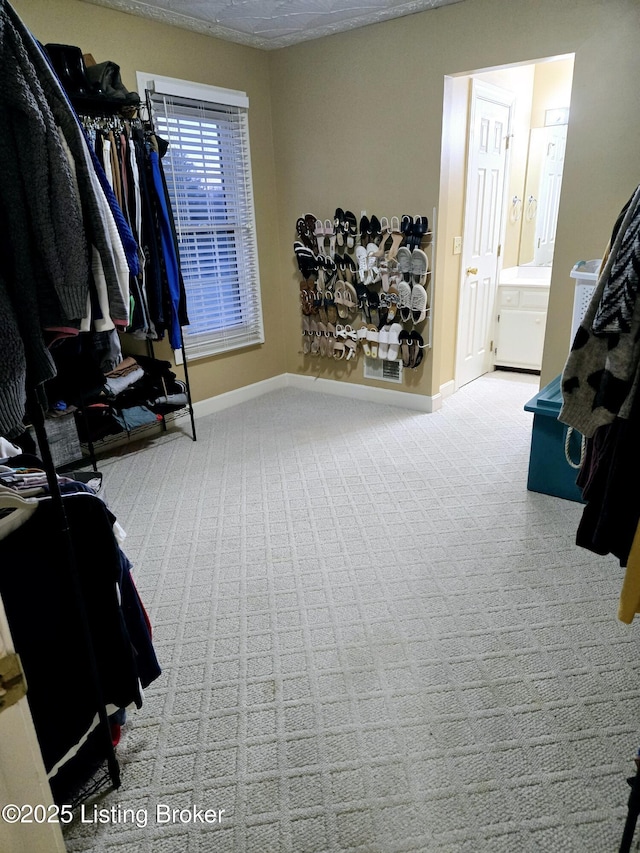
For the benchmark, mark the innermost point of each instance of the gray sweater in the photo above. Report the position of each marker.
(600, 377)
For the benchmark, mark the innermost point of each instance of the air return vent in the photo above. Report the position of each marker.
(382, 370)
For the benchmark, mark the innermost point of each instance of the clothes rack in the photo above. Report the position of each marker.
(72, 606)
(103, 115)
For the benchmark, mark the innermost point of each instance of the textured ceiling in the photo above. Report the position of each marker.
(270, 24)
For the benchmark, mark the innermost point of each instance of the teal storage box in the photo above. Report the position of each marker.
(549, 471)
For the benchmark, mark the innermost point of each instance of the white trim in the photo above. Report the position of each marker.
(384, 396)
(188, 89)
(447, 389)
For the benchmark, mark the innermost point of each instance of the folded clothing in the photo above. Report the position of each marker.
(117, 384)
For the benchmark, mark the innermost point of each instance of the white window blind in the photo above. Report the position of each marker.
(208, 174)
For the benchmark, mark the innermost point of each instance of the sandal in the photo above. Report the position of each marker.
(363, 301)
(315, 338)
(373, 306)
(364, 229)
(363, 331)
(322, 339)
(319, 235)
(341, 305)
(350, 228)
(395, 330)
(373, 273)
(339, 349)
(361, 256)
(397, 237)
(351, 348)
(338, 219)
(373, 338)
(383, 342)
(307, 299)
(306, 335)
(420, 228)
(331, 338)
(406, 226)
(406, 348)
(329, 231)
(330, 307)
(306, 260)
(392, 299)
(375, 230)
(418, 349)
(350, 298)
(349, 268)
(305, 233)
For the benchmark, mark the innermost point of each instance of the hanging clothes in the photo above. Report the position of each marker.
(601, 400)
(40, 601)
(60, 271)
(600, 378)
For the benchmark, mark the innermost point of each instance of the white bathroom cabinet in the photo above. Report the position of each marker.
(521, 318)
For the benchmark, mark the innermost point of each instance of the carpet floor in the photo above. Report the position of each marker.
(374, 639)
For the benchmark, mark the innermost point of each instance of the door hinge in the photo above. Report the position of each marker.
(13, 684)
(507, 143)
(491, 347)
(498, 319)
(499, 250)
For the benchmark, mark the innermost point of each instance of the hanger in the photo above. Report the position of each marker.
(21, 510)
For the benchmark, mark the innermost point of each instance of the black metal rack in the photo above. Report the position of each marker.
(97, 107)
(633, 809)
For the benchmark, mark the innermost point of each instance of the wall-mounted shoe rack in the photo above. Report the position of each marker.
(366, 286)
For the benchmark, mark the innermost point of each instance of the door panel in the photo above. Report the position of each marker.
(550, 185)
(486, 184)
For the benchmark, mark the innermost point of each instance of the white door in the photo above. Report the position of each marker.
(489, 129)
(23, 779)
(549, 201)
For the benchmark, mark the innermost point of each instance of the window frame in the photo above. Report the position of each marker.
(223, 341)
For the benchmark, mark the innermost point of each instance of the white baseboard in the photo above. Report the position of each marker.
(447, 389)
(387, 396)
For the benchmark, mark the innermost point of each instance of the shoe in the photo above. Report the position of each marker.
(68, 63)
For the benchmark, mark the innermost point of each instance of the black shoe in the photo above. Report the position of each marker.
(68, 64)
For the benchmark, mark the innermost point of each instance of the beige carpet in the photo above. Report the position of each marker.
(374, 638)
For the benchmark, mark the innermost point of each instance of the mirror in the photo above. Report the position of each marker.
(539, 218)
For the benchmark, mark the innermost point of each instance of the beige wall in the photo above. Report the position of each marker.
(141, 45)
(358, 123)
(355, 120)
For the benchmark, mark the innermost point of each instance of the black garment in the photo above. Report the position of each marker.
(610, 517)
(39, 598)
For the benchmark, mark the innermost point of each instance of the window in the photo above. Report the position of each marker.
(208, 174)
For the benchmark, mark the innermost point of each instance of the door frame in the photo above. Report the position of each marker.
(23, 778)
(506, 98)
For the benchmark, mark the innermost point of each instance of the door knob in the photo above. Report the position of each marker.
(472, 270)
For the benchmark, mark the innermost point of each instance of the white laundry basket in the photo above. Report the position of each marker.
(586, 274)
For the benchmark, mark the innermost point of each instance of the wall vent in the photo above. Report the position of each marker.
(383, 370)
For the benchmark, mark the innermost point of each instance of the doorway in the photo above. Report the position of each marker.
(523, 227)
